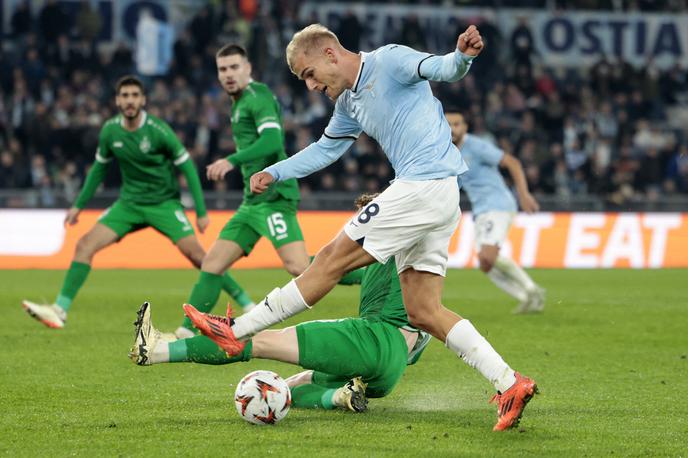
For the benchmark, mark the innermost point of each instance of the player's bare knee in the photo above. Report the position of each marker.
(295, 268)
(212, 264)
(195, 256)
(85, 248)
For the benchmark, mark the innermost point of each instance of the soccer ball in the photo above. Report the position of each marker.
(262, 398)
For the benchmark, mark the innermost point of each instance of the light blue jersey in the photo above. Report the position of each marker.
(391, 101)
(483, 183)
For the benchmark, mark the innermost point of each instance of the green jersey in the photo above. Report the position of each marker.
(255, 111)
(146, 158)
(381, 298)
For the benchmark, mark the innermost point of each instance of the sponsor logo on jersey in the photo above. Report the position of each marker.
(117, 145)
(145, 145)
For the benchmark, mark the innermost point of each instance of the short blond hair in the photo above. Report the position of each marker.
(307, 39)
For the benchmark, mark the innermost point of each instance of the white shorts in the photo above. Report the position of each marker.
(411, 220)
(492, 228)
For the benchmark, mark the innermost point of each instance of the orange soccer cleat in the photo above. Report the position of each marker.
(217, 328)
(511, 403)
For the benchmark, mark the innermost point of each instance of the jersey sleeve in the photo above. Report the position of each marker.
(490, 154)
(409, 66)
(339, 135)
(265, 114)
(173, 146)
(103, 152)
(97, 173)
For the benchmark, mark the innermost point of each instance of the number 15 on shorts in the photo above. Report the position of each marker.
(277, 226)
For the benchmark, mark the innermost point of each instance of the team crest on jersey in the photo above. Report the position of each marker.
(145, 145)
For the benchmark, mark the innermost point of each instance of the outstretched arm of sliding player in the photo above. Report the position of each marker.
(339, 135)
(410, 66)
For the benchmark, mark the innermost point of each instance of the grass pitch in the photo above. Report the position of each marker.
(609, 354)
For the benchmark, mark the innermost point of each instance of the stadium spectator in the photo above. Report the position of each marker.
(22, 20)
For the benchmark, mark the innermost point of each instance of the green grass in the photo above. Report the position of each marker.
(609, 353)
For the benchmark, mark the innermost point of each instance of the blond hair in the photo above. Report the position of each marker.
(364, 199)
(306, 40)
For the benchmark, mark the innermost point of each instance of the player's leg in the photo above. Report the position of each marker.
(192, 250)
(329, 265)
(294, 257)
(422, 268)
(206, 291)
(422, 297)
(169, 218)
(236, 239)
(492, 229)
(115, 222)
(154, 347)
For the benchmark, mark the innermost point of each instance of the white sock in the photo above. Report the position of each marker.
(466, 341)
(512, 270)
(506, 284)
(279, 305)
(161, 352)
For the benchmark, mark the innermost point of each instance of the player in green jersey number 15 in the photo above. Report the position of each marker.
(147, 151)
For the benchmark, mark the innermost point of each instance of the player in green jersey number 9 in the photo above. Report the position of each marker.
(147, 151)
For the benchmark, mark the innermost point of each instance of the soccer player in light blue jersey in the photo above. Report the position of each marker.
(494, 208)
(386, 94)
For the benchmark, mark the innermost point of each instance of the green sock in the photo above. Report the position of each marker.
(236, 292)
(204, 294)
(200, 349)
(352, 278)
(74, 280)
(312, 396)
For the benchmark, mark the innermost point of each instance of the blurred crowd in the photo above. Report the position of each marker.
(602, 131)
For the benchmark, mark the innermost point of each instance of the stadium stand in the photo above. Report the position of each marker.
(603, 134)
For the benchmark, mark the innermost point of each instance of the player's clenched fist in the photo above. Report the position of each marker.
(260, 182)
(470, 42)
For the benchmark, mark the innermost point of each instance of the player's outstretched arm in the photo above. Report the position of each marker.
(314, 157)
(94, 178)
(410, 66)
(525, 198)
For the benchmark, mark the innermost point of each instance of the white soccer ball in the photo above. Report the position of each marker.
(262, 398)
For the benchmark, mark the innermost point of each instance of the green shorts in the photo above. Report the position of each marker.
(339, 350)
(167, 217)
(274, 220)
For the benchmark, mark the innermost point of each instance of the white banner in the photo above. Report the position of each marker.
(563, 38)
